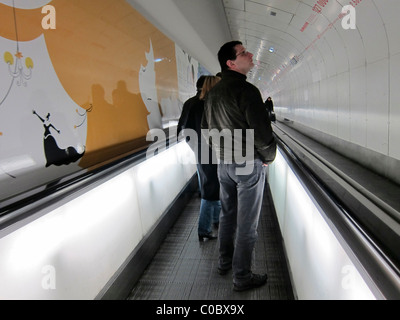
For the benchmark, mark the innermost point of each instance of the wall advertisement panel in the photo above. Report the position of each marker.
(82, 82)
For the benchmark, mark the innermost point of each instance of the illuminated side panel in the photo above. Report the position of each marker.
(73, 251)
(320, 267)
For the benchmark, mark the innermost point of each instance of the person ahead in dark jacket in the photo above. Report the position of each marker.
(269, 105)
(187, 106)
(190, 123)
(237, 125)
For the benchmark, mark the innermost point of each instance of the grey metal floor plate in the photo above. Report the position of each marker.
(185, 269)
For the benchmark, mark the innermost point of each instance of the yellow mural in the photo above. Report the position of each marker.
(98, 51)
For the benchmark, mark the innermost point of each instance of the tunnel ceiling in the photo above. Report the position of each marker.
(303, 30)
(269, 29)
(278, 32)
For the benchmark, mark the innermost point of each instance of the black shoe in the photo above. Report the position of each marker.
(257, 280)
(223, 272)
(206, 236)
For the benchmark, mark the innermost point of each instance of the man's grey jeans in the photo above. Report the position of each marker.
(241, 199)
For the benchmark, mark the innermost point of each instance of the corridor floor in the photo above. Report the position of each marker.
(185, 269)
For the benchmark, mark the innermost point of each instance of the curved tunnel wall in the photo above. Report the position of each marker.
(344, 84)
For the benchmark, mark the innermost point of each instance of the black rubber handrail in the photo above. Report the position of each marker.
(377, 268)
(34, 201)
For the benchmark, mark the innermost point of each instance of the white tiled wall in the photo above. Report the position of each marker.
(347, 84)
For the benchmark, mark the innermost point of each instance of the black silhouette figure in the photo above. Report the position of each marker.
(269, 104)
(54, 155)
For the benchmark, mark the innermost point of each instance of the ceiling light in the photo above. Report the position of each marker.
(294, 60)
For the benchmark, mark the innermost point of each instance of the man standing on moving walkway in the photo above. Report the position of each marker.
(235, 109)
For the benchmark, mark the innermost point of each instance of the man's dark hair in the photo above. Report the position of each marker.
(227, 52)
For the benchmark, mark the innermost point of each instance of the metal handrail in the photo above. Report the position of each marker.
(377, 268)
(35, 200)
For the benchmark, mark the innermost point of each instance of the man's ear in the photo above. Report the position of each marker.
(230, 63)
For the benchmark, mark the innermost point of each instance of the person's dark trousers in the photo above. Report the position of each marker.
(241, 200)
(210, 206)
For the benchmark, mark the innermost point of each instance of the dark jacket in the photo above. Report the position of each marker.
(184, 120)
(191, 116)
(269, 105)
(231, 107)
